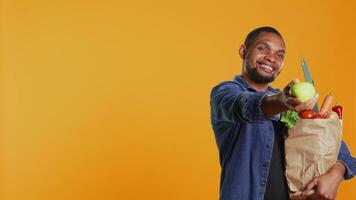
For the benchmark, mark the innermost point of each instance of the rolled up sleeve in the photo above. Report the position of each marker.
(349, 162)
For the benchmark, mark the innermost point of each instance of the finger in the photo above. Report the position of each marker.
(315, 196)
(326, 115)
(296, 80)
(293, 82)
(310, 186)
(301, 107)
(310, 104)
(293, 101)
(307, 105)
(286, 90)
(309, 193)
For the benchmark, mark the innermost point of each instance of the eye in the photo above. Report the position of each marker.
(262, 48)
(280, 55)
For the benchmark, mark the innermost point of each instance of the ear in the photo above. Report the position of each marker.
(243, 51)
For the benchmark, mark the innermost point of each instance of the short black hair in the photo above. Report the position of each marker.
(253, 34)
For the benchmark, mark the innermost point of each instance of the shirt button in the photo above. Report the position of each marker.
(268, 146)
(263, 183)
(264, 164)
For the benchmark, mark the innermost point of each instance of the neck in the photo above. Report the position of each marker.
(257, 86)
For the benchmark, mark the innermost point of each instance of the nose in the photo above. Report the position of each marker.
(270, 57)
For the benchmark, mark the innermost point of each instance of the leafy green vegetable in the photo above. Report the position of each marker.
(290, 118)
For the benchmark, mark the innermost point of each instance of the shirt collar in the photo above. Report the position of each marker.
(239, 79)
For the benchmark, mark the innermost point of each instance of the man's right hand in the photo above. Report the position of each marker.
(295, 103)
(276, 103)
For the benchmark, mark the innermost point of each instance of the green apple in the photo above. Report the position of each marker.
(303, 91)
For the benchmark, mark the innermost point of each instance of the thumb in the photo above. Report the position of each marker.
(310, 186)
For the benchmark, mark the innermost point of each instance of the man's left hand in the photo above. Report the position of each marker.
(326, 185)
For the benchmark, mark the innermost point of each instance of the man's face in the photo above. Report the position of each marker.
(264, 59)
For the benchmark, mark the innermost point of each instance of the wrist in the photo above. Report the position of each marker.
(282, 98)
(338, 169)
(272, 104)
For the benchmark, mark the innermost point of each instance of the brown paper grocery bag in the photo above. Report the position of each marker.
(311, 148)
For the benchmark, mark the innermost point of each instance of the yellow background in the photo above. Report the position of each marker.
(110, 99)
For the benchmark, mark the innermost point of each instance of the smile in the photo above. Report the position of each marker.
(266, 68)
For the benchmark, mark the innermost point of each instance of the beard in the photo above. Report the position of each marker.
(255, 76)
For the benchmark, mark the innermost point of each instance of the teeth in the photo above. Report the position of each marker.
(267, 68)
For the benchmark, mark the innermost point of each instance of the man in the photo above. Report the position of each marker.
(250, 137)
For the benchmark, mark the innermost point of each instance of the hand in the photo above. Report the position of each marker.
(298, 106)
(275, 103)
(327, 184)
(295, 103)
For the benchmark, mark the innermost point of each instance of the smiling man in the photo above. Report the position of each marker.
(245, 115)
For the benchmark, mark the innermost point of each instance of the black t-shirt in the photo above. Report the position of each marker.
(277, 188)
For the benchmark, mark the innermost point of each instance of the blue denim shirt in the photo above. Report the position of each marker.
(245, 137)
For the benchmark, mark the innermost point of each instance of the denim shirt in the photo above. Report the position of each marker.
(245, 137)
